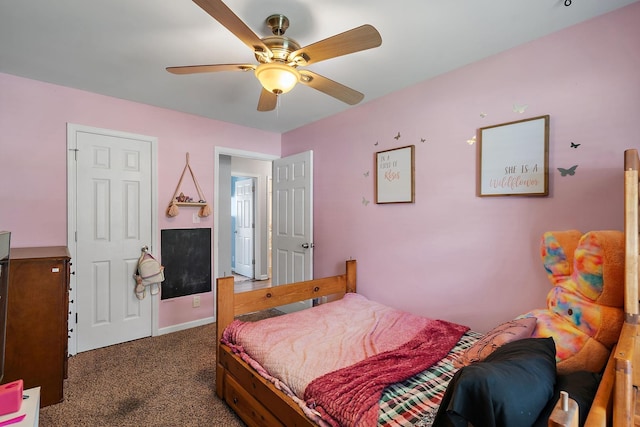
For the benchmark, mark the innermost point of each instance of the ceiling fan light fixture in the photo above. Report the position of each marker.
(276, 77)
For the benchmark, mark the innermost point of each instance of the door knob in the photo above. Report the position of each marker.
(307, 245)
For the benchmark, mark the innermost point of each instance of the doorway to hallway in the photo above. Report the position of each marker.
(289, 200)
(232, 166)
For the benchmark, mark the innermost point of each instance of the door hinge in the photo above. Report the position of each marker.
(75, 153)
(75, 236)
(76, 318)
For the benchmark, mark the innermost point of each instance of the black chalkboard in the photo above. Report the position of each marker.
(186, 256)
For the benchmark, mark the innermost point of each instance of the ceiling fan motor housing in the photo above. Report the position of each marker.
(280, 47)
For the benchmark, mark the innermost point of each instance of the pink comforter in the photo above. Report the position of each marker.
(316, 355)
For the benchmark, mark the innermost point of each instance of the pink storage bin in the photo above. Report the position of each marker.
(11, 397)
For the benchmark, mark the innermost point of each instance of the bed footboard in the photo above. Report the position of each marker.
(253, 398)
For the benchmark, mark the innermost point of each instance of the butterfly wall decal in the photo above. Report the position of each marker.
(570, 171)
(519, 108)
(376, 143)
(483, 115)
(364, 201)
(397, 137)
(366, 173)
(471, 140)
(422, 140)
(573, 145)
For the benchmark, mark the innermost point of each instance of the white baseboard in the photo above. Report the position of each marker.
(187, 325)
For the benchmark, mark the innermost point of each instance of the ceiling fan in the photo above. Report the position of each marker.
(279, 57)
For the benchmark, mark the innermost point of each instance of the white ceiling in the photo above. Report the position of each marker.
(120, 48)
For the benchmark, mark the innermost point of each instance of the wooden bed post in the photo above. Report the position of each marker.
(224, 316)
(627, 351)
(631, 235)
(351, 275)
(616, 401)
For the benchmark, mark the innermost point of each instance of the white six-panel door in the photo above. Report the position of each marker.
(245, 227)
(293, 221)
(114, 221)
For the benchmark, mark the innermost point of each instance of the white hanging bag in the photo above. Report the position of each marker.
(150, 273)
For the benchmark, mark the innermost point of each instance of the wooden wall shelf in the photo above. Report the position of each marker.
(198, 204)
(173, 210)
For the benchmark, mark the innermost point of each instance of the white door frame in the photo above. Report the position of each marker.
(72, 220)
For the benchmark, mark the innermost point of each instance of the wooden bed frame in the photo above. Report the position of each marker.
(615, 403)
(259, 403)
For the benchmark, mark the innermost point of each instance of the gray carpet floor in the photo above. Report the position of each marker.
(168, 380)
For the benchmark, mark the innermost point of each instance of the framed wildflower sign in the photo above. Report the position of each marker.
(513, 158)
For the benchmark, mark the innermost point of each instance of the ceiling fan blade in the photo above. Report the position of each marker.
(192, 69)
(221, 13)
(355, 40)
(268, 100)
(331, 88)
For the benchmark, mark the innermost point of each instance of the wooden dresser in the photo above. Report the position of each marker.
(37, 312)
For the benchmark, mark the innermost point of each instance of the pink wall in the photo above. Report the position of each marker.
(451, 254)
(33, 162)
(459, 257)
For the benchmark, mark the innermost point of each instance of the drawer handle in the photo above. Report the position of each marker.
(235, 400)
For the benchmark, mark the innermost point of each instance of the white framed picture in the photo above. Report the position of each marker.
(395, 176)
(513, 158)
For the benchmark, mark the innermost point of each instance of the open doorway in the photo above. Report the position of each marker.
(232, 166)
(291, 193)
